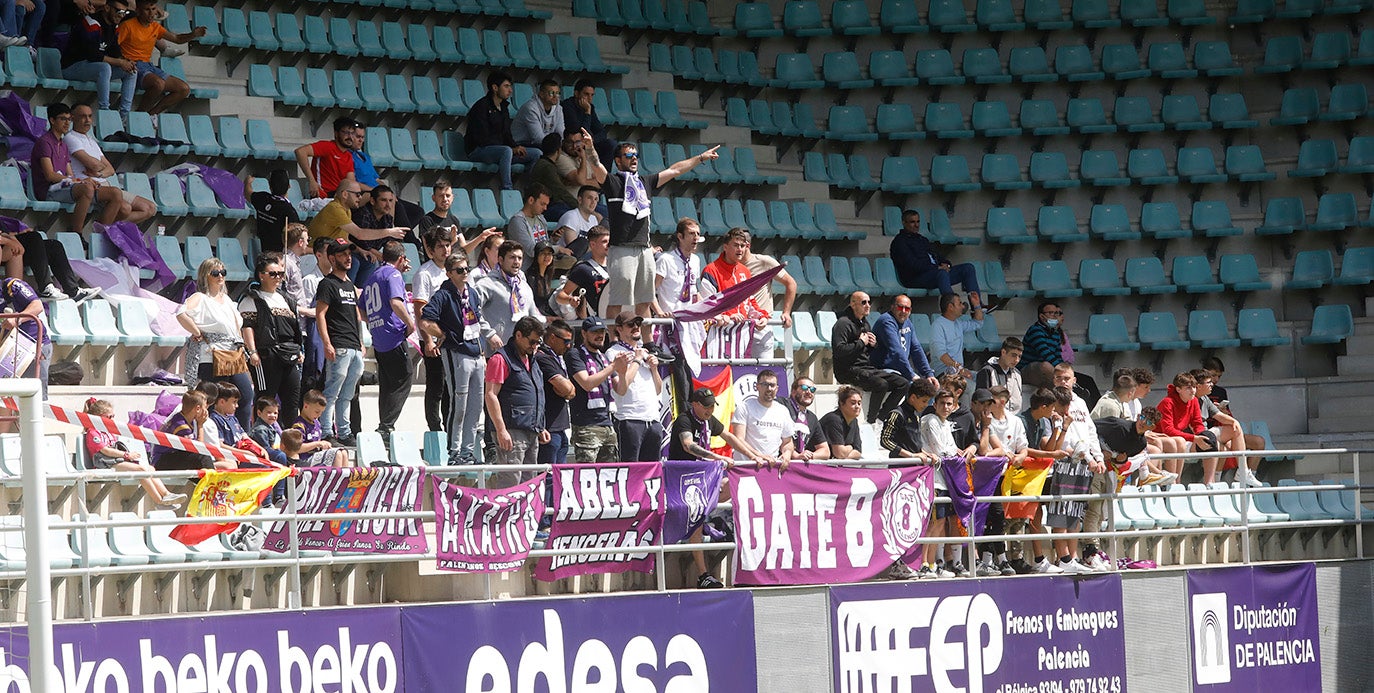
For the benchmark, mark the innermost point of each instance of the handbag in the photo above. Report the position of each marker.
(229, 361)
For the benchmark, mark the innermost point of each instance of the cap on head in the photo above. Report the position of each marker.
(340, 245)
(982, 394)
(628, 317)
(592, 324)
(703, 396)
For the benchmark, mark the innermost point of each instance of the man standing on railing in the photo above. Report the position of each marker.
(591, 370)
(851, 342)
(515, 400)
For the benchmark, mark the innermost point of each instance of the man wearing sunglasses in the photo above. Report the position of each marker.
(808, 441)
(852, 343)
(898, 349)
(453, 318)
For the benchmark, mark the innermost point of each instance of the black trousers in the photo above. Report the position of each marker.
(888, 388)
(640, 441)
(282, 380)
(394, 378)
(436, 399)
(47, 259)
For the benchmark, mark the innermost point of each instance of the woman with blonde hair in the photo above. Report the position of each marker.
(215, 349)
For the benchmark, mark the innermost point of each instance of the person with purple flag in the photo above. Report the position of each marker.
(390, 322)
(691, 440)
(627, 199)
(809, 440)
(592, 371)
(678, 271)
(725, 272)
(937, 438)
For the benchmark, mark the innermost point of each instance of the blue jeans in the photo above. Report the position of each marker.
(503, 157)
(17, 21)
(944, 280)
(361, 269)
(101, 73)
(340, 387)
(556, 450)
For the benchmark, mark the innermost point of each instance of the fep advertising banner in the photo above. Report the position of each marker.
(485, 530)
(815, 524)
(979, 636)
(355, 490)
(1255, 628)
(671, 643)
(356, 650)
(617, 507)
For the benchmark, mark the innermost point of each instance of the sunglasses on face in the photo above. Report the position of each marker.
(219, 273)
(807, 388)
(459, 270)
(275, 275)
(864, 303)
(631, 155)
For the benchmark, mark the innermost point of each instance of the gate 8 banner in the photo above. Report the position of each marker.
(815, 524)
(979, 636)
(618, 507)
(356, 490)
(1255, 628)
(672, 643)
(485, 530)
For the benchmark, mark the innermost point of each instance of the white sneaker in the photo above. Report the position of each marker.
(943, 572)
(52, 293)
(1073, 567)
(1247, 477)
(1045, 566)
(86, 294)
(1098, 564)
(169, 49)
(7, 41)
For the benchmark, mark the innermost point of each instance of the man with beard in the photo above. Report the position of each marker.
(505, 294)
(852, 342)
(591, 370)
(808, 440)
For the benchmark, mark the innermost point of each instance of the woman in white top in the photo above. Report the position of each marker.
(214, 322)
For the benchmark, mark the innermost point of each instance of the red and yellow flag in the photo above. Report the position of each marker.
(225, 493)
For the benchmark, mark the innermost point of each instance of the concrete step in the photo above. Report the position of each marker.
(1331, 406)
(1360, 343)
(244, 106)
(1365, 326)
(1352, 364)
(1343, 423)
(1354, 385)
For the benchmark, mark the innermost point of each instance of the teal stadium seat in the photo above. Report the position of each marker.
(861, 173)
(1040, 117)
(1160, 220)
(1158, 331)
(1189, 12)
(1003, 172)
(803, 19)
(1181, 112)
(1331, 324)
(1213, 219)
(369, 39)
(950, 173)
(19, 64)
(1046, 15)
(851, 18)
(1145, 275)
(1051, 170)
(1057, 224)
(201, 198)
(1298, 106)
(1207, 329)
(841, 276)
(946, 121)
(1107, 332)
(1245, 163)
(1256, 327)
(1252, 11)
(1241, 273)
(1281, 54)
(1335, 212)
(1100, 277)
(1364, 53)
(1075, 63)
(1282, 216)
(888, 68)
(170, 198)
(1214, 59)
(397, 91)
(1135, 114)
(1193, 274)
(1357, 267)
(261, 144)
(1121, 61)
(204, 16)
(1230, 112)
(232, 140)
(231, 253)
(341, 37)
(896, 121)
(901, 17)
(403, 149)
(169, 248)
(1197, 165)
(1347, 102)
(1148, 167)
(949, 16)
(1050, 279)
(1030, 64)
(936, 67)
(1111, 223)
(841, 70)
(1088, 116)
(417, 37)
(902, 175)
(1360, 158)
(1007, 225)
(1316, 158)
(997, 15)
(1093, 14)
(1330, 50)
(1312, 269)
(1101, 168)
(993, 119)
(755, 20)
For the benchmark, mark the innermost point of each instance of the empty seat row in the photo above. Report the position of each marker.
(1335, 212)
(1257, 11)
(1314, 269)
(1330, 50)
(1301, 105)
(1159, 331)
(1050, 170)
(668, 16)
(734, 165)
(21, 69)
(1319, 157)
(1145, 276)
(514, 9)
(774, 118)
(774, 219)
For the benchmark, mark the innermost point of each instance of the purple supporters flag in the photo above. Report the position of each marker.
(691, 491)
(815, 524)
(965, 481)
(618, 507)
(485, 530)
(355, 490)
(1255, 628)
(1063, 634)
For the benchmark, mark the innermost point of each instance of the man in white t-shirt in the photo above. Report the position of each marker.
(89, 161)
(764, 424)
(571, 232)
(637, 387)
(438, 242)
(678, 271)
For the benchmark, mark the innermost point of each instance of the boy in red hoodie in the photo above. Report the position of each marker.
(1181, 417)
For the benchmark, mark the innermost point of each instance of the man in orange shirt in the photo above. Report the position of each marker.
(728, 270)
(137, 37)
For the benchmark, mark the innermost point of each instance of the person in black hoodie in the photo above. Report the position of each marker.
(489, 138)
(93, 54)
(851, 342)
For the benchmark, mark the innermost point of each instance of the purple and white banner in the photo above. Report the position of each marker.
(357, 649)
(1255, 628)
(965, 480)
(616, 507)
(815, 524)
(691, 491)
(1063, 634)
(662, 642)
(322, 490)
(485, 530)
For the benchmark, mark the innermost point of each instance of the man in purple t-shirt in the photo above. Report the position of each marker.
(52, 174)
(385, 304)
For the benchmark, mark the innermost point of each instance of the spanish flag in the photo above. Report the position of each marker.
(225, 493)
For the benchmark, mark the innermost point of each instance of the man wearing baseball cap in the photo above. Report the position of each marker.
(339, 322)
(591, 370)
(637, 386)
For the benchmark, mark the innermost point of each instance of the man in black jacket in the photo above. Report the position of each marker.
(850, 342)
(489, 138)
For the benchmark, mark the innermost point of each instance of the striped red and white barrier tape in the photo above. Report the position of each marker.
(147, 435)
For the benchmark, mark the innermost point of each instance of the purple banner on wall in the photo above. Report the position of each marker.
(691, 491)
(617, 507)
(815, 524)
(1062, 634)
(485, 530)
(662, 642)
(357, 649)
(1255, 628)
(355, 490)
